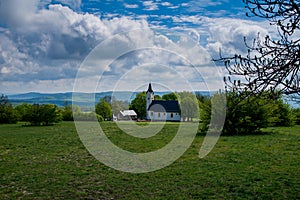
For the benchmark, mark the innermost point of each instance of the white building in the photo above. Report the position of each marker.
(161, 110)
(126, 115)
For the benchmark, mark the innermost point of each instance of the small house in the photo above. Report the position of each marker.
(127, 115)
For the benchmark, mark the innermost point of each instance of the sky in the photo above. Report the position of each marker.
(52, 46)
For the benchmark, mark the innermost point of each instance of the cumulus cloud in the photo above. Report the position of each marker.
(168, 58)
(225, 33)
(49, 44)
(43, 44)
(228, 34)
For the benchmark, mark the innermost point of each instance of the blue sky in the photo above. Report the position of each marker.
(46, 44)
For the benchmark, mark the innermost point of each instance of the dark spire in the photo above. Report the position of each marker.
(149, 88)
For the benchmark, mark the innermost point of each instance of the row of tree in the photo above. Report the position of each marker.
(48, 114)
(245, 113)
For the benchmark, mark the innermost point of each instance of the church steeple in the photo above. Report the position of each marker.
(149, 88)
(149, 99)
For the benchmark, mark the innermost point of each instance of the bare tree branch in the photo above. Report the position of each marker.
(269, 64)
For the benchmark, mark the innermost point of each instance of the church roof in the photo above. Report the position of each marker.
(164, 106)
(149, 88)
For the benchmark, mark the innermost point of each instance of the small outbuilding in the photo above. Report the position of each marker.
(127, 115)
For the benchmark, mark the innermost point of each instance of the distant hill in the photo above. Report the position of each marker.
(83, 100)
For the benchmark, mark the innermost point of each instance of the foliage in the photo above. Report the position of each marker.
(184, 94)
(247, 114)
(7, 113)
(87, 116)
(282, 114)
(157, 97)
(36, 114)
(170, 96)
(189, 108)
(50, 114)
(118, 105)
(103, 108)
(296, 112)
(22, 110)
(115, 107)
(271, 64)
(67, 112)
(138, 104)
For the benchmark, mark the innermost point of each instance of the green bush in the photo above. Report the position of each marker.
(247, 114)
(87, 116)
(36, 114)
(296, 112)
(67, 113)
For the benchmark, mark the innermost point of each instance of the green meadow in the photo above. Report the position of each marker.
(50, 162)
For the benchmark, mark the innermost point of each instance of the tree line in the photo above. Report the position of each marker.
(245, 113)
(48, 114)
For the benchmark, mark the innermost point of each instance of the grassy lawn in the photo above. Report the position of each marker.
(52, 163)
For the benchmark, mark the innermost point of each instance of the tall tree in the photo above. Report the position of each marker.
(7, 112)
(103, 109)
(139, 105)
(270, 64)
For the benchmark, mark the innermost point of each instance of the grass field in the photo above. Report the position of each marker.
(52, 163)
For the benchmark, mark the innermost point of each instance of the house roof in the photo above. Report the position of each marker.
(128, 113)
(164, 106)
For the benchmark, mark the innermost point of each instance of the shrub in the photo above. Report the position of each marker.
(67, 113)
(247, 114)
(296, 112)
(87, 116)
(41, 114)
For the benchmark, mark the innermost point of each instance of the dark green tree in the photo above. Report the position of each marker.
(7, 113)
(157, 97)
(170, 96)
(50, 114)
(23, 110)
(103, 109)
(296, 112)
(139, 105)
(67, 112)
(247, 113)
(37, 115)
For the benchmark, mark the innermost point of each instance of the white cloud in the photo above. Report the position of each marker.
(150, 5)
(228, 34)
(131, 5)
(73, 4)
(49, 44)
(168, 4)
(41, 49)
